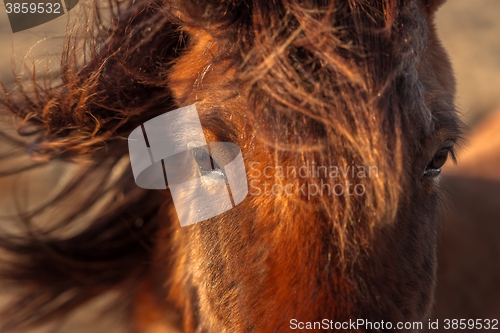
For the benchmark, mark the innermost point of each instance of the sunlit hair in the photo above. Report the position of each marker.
(322, 81)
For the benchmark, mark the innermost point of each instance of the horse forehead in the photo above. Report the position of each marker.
(196, 75)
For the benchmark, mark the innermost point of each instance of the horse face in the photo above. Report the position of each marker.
(344, 115)
(362, 99)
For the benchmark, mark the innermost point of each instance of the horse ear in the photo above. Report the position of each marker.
(432, 5)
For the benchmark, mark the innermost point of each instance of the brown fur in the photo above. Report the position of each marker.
(468, 249)
(291, 82)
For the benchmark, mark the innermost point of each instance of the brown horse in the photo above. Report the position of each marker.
(356, 84)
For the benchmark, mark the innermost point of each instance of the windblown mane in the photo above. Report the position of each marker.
(319, 81)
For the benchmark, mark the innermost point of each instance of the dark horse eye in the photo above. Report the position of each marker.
(433, 169)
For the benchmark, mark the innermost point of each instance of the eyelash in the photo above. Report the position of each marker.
(434, 167)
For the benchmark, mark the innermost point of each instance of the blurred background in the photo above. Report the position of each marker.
(469, 30)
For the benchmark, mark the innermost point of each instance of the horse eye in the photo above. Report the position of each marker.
(433, 169)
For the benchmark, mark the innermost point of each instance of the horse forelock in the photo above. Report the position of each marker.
(318, 82)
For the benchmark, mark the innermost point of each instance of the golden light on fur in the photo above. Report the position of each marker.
(291, 82)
